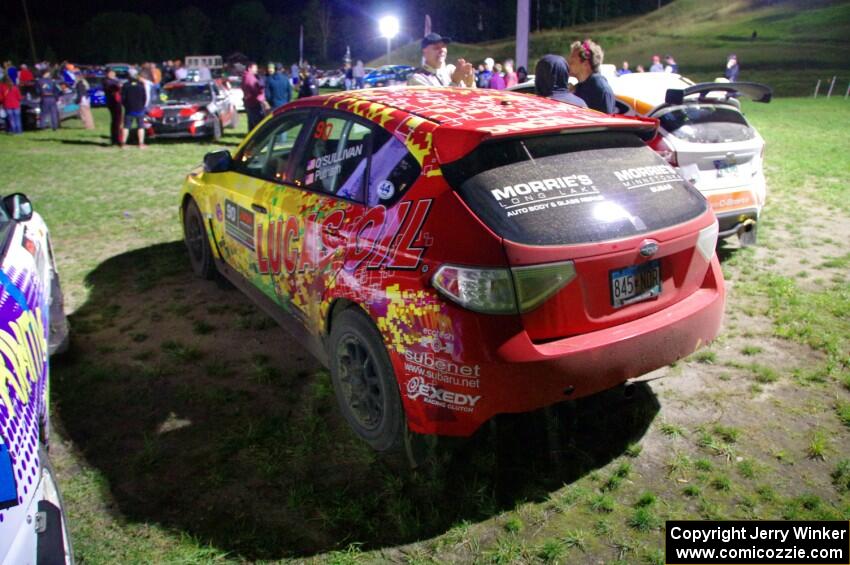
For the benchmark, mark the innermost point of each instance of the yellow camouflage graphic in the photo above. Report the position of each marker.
(25, 350)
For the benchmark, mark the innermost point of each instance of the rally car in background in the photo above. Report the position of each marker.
(332, 79)
(453, 254)
(704, 135)
(31, 105)
(233, 86)
(388, 75)
(191, 109)
(97, 94)
(32, 327)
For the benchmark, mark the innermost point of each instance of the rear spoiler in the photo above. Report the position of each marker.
(758, 92)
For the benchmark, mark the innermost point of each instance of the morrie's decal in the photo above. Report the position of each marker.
(239, 223)
(544, 189)
(651, 176)
(546, 194)
(417, 388)
(382, 239)
(25, 352)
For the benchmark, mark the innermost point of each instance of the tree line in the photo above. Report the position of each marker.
(270, 32)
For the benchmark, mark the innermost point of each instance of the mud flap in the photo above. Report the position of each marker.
(59, 334)
(51, 546)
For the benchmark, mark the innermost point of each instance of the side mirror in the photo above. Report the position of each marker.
(674, 96)
(217, 161)
(18, 206)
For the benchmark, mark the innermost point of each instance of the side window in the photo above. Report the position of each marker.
(393, 170)
(267, 154)
(336, 157)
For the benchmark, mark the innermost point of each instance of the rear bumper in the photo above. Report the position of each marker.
(521, 375)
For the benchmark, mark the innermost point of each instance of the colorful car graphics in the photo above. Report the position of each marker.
(312, 254)
(31, 327)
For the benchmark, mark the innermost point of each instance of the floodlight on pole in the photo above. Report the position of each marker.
(389, 27)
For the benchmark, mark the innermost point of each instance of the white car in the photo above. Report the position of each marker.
(234, 92)
(704, 135)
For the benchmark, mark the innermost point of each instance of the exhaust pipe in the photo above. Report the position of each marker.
(747, 232)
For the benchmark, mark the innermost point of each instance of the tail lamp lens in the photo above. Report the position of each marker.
(663, 148)
(503, 291)
(707, 241)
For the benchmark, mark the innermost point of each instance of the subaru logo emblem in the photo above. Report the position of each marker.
(649, 249)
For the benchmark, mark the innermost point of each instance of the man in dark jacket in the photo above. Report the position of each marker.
(112, 89)
(134, 97)
(254, 96)
(48, 92)
(278, 89)
(551, 80)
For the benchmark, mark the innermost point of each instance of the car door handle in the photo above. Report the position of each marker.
(259, 209)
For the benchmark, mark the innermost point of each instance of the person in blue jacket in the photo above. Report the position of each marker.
(48, 92)
(278, 87)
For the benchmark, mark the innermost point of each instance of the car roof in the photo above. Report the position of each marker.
(181, 83)
(470, 115)
(646, 91)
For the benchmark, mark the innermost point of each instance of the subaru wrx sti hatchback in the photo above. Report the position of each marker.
(454, 254)
(707, 139)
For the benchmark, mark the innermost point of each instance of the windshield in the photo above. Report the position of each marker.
(573, 188)
(187, 93)
(702, 123)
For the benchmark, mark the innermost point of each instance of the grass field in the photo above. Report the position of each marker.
(191, 429)
(798, 42)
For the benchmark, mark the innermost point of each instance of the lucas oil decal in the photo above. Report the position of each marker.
(417, 388)
(391, 239)
(239, 223)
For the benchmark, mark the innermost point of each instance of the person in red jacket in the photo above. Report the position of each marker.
(10, 97)
(25, 75)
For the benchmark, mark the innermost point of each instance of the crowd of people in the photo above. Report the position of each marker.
(129, 97)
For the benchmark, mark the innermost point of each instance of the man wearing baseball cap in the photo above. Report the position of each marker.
(435, 71)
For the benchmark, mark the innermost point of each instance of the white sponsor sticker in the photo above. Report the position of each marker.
(386, 190)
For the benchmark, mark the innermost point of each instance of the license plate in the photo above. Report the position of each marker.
(635, 283)
(725, 168)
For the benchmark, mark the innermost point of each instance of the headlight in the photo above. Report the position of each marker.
(198, 116)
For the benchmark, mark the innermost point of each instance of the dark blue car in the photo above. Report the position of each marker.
(96, 93)
(388, 75)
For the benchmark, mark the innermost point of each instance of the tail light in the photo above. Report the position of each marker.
(663, 148)
(707, 241)
(156, 112)
(503, 291)
(188, 112)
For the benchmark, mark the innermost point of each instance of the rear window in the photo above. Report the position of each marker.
(707, 124)
(574, 188)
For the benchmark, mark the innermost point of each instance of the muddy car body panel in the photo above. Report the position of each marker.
(706, 137)
(32, 326)
(497, 241)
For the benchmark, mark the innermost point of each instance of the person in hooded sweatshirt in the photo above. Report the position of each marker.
(551, 80)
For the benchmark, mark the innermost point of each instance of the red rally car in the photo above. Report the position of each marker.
(454, 254)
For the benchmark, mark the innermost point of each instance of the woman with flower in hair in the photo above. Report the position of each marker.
(584, 62)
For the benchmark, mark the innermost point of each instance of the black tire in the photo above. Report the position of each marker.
(216, 134)
(364, 381)
(197, 242)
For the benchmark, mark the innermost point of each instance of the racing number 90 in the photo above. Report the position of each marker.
(323, 130)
